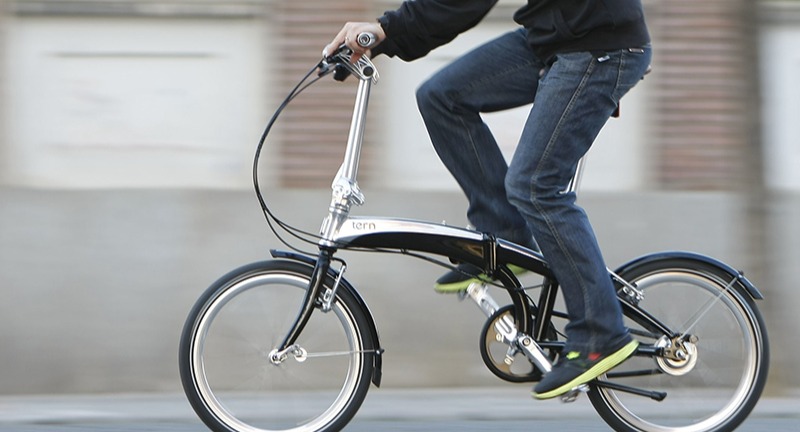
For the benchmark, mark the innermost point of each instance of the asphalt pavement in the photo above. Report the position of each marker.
(471, 409)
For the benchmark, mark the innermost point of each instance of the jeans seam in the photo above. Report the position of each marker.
(534, 193)
(618, 82)
(560, 124)
(472, 146)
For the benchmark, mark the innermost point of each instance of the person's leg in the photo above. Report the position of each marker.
(499, 75)
(575, 98)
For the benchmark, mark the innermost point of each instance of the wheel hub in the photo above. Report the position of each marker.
(680, 355)
(277, 357)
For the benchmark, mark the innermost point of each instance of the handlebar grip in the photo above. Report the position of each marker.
(366, 39)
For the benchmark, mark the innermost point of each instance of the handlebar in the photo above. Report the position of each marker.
(340, 61)
(366, 39)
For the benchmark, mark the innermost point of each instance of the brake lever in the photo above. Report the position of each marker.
(341, 72)
(341, 62)
(335, 63)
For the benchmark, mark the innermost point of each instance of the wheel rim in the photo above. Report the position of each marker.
(222, 410)
(743, 325)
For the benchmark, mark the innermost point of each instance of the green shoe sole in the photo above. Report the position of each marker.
(462, 285)
(610, 362)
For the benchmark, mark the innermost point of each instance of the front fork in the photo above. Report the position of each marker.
(309, 301)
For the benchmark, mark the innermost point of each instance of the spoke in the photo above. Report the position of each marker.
(691, 322)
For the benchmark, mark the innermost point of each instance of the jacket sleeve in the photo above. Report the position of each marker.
(419, 26)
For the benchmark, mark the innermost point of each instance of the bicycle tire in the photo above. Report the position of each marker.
(717, 385)
(224, 354)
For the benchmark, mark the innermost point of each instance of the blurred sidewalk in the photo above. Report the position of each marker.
(501, 403)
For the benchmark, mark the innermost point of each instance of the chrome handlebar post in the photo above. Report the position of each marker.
(352, 157)
(345, 190)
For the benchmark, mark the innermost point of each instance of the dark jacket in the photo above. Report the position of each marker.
(554, 26)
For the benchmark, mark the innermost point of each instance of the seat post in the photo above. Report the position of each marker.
(574, 183)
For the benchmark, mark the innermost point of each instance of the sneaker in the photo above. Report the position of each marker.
(575, 369)
(459, 280)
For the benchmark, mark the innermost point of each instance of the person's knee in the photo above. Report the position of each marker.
(426, 95)
(432, 95)
(519, 190)
(523, 191)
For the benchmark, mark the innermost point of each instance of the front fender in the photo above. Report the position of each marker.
(344, 284)
(693, 257)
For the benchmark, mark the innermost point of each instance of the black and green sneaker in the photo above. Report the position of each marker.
(465, 274)
(576, 368)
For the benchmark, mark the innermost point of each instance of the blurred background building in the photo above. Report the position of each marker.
(127, 129)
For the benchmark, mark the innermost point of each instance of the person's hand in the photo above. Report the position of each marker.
(348, 36)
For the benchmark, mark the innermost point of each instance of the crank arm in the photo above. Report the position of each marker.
(534, 352)
(478, 292)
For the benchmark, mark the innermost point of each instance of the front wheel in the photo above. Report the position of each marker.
(712, 375)
(229, 370)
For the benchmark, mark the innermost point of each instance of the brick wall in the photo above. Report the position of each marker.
(314, 130)
(705, 85)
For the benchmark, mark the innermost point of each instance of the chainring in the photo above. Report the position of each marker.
(504, 360)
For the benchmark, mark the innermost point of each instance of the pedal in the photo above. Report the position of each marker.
(572, 395)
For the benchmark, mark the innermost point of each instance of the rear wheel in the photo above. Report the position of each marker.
(234, 379)
(713, 373)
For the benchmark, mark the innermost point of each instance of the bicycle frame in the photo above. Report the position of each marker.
(341, 231)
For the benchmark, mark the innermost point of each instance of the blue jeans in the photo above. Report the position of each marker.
(572, 98)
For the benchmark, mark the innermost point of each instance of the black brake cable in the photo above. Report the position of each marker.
(271, 218)
(302, 235)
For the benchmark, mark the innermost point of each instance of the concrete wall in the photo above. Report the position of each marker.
(96, 284)
(99, 101)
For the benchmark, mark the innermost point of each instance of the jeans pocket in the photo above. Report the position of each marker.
(634, 63)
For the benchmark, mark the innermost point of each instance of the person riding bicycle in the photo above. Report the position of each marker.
(573, 60)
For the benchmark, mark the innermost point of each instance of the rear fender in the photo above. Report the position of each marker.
(698, 258)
